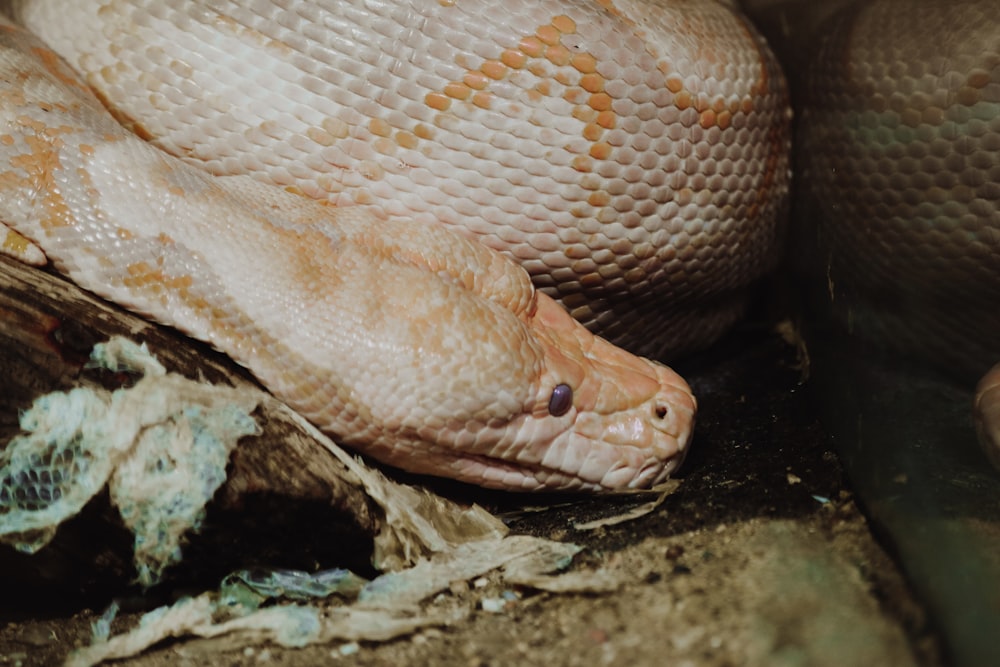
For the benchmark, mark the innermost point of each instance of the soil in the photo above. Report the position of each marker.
(761, 557)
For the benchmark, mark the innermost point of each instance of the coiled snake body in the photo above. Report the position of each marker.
(898, 174)
(631, 156)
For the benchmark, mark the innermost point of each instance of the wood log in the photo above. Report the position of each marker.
(287, 500)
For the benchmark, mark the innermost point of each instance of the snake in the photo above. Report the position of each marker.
(898, 105)
(432, 227)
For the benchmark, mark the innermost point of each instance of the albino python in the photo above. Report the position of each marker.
(898, 163)
(632, 156)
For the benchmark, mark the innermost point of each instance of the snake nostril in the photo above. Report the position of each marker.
(661, 411)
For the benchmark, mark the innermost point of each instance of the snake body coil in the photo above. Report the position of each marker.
(632, 156)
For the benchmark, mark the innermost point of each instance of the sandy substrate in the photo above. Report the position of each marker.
(761, 557)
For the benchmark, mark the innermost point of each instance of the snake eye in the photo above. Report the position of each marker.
(561, 400)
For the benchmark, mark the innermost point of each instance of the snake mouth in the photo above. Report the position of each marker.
(517, 476)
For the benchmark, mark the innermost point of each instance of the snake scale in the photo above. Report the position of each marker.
(603, 146)
(898, 174)
(632, 156)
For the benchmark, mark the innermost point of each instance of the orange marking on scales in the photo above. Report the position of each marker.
(476, 80)
(406, 139)
(40, 166)
(379, 127)
(437, 101)
(531, 47)
(320, 136)
(512, 59)
(335, 127)
(599, 198)
(600, 151)
(141, 274)
(548, 35)
(592, 83)
(482, 99)
(564, 24)
(544, 55)
(15, 244)
(13, 98)
(492, 69)
(593, 132)
(584, 63)
(32, 124)
(11, 181)
(599, 102)
(458, 91)
(55, 66)
(157, 283)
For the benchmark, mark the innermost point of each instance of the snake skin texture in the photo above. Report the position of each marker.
(898, 163)
(407, 342)
(631, 155)
(899, 149)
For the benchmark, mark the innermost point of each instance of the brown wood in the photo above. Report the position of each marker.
(285, 493)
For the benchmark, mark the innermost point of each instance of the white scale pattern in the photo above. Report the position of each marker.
(649, 222)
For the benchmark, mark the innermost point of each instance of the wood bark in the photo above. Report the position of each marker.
(287, 501)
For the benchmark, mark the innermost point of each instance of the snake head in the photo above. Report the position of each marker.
(432, 353)
(626, 421)
(495, 384)
(598, 418)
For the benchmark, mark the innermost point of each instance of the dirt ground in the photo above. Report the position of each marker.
(761, 557)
